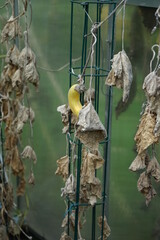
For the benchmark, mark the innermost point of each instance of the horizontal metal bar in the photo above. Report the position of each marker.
(143, 3)
(94, 2)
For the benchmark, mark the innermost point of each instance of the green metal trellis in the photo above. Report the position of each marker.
(98, 73)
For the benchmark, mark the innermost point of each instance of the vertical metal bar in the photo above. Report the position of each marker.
(70, 83)
(108, 116)
(16, 42)
(84, 54)
(77, 191)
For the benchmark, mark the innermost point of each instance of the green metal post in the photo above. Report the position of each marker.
(111, 32)
(70, 83)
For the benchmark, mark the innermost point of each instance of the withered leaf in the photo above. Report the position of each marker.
(21, 186)
(152, 84)
(62, 169)
(13, 56)
(26, 56)
(138, 163)
(29, 153)
(121, 74)
(145, 187)
(69, 189)
(90, 131)
(10, 30)
(145, 134)
(30, 74)
(31, 179)
(153, 168)
(17, 79)
(16, 163)
(106, 228)
(64, 236)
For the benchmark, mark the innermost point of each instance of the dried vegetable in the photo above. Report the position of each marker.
(86, 127)
(19, 72)
(147, 136)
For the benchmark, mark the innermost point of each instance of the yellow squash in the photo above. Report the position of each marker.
(74, 100)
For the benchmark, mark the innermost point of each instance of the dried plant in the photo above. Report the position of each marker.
(17, 74)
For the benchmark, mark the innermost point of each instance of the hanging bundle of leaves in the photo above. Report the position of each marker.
(19, 71)
(148, 134)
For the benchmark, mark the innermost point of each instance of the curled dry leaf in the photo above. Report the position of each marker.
(13, 56)
(65, 111)
(90, 131)
(89, 93)
(31, 179)
(151, 84)
(21, 186)
(16, 163)
(28, 152)
(26, 56)
(145, 187)
(145, 134)
(31, 74)
(64, 236)
(69, 189)
(62, 169)
(10, 30)
(17, 82)
(121, 74)
(106, 228)
(139, 162)
(153, 168)
(90, 185)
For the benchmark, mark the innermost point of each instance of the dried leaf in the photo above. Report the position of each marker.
(16, 163)
(65, 111)
(121, 74)
(31, 179)
(90, 185)
(127, 75)
(13, 56)
(26, 56)
(10, 30)
(69, 189)
(21, 186)
(90, 131)
(64, 236)
(145, 134)
(31, 74)
(151, 84)
(145, 187)
(17, 82)
(106, 228)
(139, 163)
(89, 93)
(28, 152)
(62, 169)
(153, 168)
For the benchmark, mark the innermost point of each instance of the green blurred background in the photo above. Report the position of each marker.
(49, 36)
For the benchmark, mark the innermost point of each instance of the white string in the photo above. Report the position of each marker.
(123, 26)
(94, 28)
(154, 54)
(88, 16)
